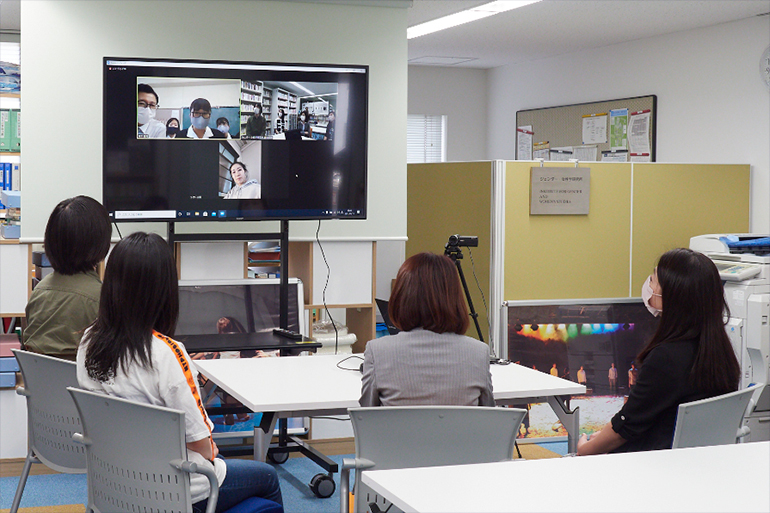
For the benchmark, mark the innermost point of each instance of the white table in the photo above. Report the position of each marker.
(704, 479)
(314, 385)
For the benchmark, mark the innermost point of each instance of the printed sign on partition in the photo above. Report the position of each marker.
(560, 191)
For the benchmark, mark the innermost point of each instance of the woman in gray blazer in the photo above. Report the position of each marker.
(430, 361)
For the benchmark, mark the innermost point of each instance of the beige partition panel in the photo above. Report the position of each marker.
(453, 198)
(673, 202)
(568, 256)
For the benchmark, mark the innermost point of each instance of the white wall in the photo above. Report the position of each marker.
(460, 94)
(64, 42)
(712, 106)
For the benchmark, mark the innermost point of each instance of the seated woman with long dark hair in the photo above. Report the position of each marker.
(128, 352)
(688, 358)
(430, 361)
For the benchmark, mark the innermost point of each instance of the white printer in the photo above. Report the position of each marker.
(743, 261)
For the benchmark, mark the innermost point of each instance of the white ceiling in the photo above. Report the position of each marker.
(537, 31)
(557, 27)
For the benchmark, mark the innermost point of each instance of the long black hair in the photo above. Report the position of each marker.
(694, 307)
(140, 294)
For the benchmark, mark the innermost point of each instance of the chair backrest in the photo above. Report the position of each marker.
(426, 436)
(130, 448)
(713, 421)
(51, 414)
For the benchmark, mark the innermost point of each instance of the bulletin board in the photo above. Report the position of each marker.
(562, 126)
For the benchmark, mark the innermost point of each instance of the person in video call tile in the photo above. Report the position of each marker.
(581, 376)
(223, 125)
(330, 126)
(243, 188)
(612, 375)
(255, 126)
(147, 104)
(172, 127)
(303, 124)
(200, 115)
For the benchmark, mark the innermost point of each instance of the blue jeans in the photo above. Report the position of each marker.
(244, 479)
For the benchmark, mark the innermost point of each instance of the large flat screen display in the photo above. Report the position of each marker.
(591, 341)
(189, 140)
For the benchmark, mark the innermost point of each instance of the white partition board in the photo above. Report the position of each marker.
(212, 261)
(13, 278)
(13, 424)
(350, 276)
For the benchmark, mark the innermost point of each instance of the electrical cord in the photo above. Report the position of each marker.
(328, 272)
(357, 369)
(118, 229)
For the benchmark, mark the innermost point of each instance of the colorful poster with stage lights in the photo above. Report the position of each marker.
(592, 342)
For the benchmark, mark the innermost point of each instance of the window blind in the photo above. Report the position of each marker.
(425, 139)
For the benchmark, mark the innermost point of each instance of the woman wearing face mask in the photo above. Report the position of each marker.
(200, 116)
(147, 104)
(303, 124)
(223, 125)
(172, 127)
(243, 188)
(688, 358)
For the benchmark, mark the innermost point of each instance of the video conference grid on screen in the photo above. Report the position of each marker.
(211, 140)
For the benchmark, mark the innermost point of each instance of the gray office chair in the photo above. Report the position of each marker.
(424, 436)
(51, 417)
(715, 421)
(137, 458)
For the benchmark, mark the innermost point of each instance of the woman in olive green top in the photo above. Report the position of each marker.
(66, 302)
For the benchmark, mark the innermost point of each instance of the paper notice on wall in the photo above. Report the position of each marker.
(639, 157)
(563, 154)
(639, 131)
(524, 142)
(615, 156)
(542, 150)
(595, 128)
(618, 127)
(585, 153)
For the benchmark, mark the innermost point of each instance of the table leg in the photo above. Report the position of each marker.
(569, 419)
(263, 435)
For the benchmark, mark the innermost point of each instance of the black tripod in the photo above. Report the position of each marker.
(453, 251)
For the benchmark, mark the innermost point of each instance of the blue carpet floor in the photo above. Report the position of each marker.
(295, 474)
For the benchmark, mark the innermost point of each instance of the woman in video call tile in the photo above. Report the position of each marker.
(243, 188)
(172, 128)
(200, 115)
(304, 124)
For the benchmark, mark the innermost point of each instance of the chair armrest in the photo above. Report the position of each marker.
(190, 467)
(22, 391)
(347, 465)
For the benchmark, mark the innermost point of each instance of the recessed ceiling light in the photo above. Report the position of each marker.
(462, 17)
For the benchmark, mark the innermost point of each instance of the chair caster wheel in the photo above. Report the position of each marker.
(322, 486)
(278, 458)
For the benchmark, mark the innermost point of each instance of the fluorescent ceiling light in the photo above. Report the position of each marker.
(300, 86)
(462, 17)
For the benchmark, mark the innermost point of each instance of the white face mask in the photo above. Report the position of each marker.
(647, 294)
(144, 115)
(223, 128)
(200, 123)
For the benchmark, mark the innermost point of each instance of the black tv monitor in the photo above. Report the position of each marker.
(304, 157)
